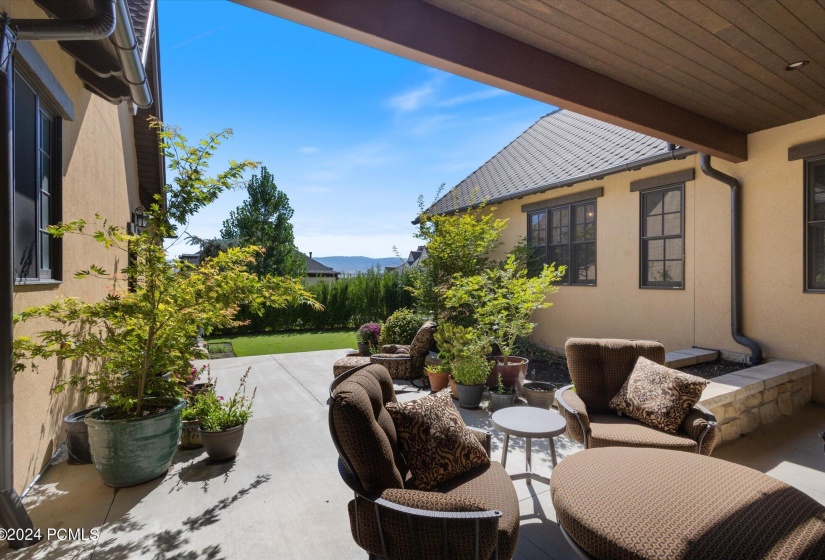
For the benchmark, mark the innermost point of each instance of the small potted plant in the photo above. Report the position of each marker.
(502, 396)
(470, 366)
(438, 375)
(223, 420)
(367, 337)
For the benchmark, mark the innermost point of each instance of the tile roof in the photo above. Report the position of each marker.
(560, 146)
(314, 267)
(140, 12)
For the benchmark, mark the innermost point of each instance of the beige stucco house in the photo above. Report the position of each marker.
(81, 147)
(646, 235)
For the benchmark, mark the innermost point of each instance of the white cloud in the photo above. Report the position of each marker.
(309, 150)
(471, 97)
(343, 163)
(413, 99)
(428, 125)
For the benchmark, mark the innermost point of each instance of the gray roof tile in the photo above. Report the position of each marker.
(559, 146)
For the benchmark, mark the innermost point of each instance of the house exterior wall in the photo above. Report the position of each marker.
(776, 312)
(99, 175)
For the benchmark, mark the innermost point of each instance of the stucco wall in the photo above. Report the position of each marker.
(99, 176)
(776, 312)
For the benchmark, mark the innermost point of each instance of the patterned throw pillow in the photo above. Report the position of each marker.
(658, 396)
(434, 440)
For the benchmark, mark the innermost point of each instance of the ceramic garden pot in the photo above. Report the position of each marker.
(438, 380)
(222, 445)
(469, 396)
(512, 373)
(190, 435)
(498, 401)
(77, 437)
(363, 349)
(539, 394)
(131, 451)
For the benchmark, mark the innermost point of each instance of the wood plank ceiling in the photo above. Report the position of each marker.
(722, 59)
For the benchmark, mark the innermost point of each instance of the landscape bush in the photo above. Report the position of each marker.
(401, 326)
(369, 296)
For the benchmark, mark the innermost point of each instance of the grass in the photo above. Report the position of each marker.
(282, 343)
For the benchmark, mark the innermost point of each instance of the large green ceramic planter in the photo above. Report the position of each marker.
(135, 450)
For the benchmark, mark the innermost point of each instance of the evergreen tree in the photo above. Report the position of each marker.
(264, 220)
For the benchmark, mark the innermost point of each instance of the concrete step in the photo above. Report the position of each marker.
(689, 357)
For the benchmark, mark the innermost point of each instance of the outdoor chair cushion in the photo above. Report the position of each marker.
(434, 440)
(657, 395)
(366, 431)
(655, 504)
(608, 430)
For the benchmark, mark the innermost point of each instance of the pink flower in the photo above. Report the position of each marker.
(221, 397)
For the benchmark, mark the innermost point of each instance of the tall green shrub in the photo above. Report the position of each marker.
(401, 327)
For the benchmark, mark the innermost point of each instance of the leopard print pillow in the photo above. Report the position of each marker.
(658, 396)
(434, 440)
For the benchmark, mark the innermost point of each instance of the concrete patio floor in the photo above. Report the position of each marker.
(282, 496)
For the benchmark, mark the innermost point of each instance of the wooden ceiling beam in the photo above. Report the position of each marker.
(424, 33)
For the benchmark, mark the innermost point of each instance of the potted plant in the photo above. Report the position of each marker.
(469, 364)
(443, 339)
(503, 299)
(222, 420)
(502, 396)
(539, 394)
(438, 375)
(134, 347)
(367, 337)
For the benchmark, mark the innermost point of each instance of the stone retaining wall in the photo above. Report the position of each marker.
(746, 400)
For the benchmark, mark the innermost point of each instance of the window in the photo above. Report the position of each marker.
(566, 235)
(663, 237)
(36, 190)
(815, 225)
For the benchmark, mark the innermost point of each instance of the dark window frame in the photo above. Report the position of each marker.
(643, 260)
(810, 285)
(44, 107)
(571, 243)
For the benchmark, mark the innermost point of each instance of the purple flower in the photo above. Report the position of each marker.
(221, 397)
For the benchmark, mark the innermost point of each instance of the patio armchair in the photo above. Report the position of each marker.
(474, 515)
(598, 369)
(406, 361)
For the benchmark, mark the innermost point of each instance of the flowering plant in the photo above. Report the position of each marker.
(368, 333)
(218, 414)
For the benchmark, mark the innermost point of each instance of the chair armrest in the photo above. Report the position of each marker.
(395, 348)
(575, 413)
(483, 436)
(434, 504)
(701, 426)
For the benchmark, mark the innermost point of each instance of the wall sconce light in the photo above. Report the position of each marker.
(140, 221)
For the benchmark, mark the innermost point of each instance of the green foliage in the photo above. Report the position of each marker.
(501, 388)
(218, 414)
(348, 303)
(401, 327)
(264, 220)
(457, 245)
(464, 351)
(126, 342)
(503, 299)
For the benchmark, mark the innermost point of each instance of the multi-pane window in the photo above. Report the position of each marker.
(35, 196)
(566, 235)
(815, 225)
(663, 237)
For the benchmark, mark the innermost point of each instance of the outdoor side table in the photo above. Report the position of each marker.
(529, 422)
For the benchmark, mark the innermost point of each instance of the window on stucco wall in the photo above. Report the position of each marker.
(663, 238)
(566, 235)
(815, 225)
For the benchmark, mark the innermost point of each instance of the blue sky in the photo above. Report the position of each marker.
(352, 135)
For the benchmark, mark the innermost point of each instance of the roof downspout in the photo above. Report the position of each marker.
(735, 259)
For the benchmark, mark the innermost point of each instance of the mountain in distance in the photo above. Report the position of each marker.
(351, 265)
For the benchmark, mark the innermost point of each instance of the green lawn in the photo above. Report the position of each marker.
(282, 343)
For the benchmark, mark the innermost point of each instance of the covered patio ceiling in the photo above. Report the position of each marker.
(699, 73)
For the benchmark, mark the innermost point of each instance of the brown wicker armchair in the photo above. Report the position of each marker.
(406, 361)
(474, 515)
(598, 369)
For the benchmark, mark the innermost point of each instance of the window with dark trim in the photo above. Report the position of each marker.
(663, 237)
(36, 132)
(815, 225)
(566, 235)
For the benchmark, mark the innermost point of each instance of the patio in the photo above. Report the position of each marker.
(282, 497)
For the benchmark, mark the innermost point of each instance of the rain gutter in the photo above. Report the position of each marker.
(735, 258)
(671, 154)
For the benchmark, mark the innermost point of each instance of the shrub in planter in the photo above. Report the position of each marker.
(469, 364)
(223, 420)
(401, 327)
(136, 345)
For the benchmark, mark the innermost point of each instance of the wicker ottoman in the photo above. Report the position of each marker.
(347, 363)
(621, 502)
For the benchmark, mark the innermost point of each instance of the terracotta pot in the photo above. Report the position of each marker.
(539, 394)
(222, 445)
(512, 374)
(438, 380)
(453, 387)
